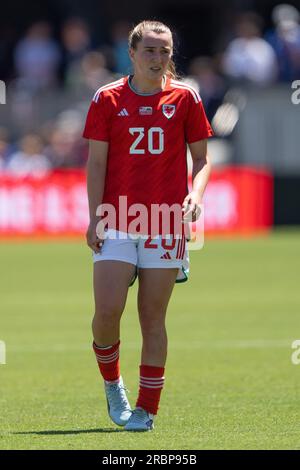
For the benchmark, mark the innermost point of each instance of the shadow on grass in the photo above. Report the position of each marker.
(72, 431)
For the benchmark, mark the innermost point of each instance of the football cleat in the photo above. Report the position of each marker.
(140, 420)
(118, 405)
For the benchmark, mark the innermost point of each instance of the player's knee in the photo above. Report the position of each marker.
(107, 314)
(151, 310)
(152, 325)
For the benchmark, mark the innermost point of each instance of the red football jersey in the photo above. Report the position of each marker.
(147, 135)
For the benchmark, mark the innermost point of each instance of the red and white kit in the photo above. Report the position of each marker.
(148, 135)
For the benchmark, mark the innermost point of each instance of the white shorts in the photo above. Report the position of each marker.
(145, 252)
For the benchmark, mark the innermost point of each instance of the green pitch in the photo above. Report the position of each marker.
(230, 382)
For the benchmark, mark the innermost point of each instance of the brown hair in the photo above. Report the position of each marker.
(136, 35)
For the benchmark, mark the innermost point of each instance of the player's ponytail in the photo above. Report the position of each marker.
(136, 35)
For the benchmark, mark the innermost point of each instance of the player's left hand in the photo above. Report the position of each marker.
(191, 209)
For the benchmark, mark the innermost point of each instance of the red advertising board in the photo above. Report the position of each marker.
(237, 200)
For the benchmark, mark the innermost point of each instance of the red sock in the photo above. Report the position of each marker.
(108, 361)
(151, 385)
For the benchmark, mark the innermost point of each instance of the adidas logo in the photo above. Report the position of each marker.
(123, 112)
(166, 256)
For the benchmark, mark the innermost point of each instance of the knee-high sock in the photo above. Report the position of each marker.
(108, 361)
(151, 385)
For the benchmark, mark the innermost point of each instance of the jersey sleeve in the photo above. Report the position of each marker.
(197, 126)
(96, 125)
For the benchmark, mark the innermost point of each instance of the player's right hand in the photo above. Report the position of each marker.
(92, 239)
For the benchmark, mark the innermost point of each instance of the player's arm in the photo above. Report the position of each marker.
(200, 176)
(96, 170)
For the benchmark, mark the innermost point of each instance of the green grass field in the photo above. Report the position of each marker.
(230, 382)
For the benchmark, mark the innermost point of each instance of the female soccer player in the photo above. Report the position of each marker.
(138, 128)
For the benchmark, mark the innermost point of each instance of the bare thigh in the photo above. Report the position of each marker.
(155, 289)
(111, 282)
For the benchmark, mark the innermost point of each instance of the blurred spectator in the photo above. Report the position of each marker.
(76, 41)
(209, 82)
(30, 159)
(249, 58)
(60, 149)
(37, 57)
(120, 31)
(89, 74)
(285, 40)
(66, 147)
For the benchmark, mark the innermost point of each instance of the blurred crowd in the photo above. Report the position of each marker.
(74, 65)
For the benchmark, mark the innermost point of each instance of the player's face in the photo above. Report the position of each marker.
(152, 55)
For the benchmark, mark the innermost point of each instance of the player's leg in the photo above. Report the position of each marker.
(114, 268)
(111, 283)
(155, 289)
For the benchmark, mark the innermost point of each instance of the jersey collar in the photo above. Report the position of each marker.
(129, 78)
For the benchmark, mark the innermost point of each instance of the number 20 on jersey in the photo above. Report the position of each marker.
(139, 134)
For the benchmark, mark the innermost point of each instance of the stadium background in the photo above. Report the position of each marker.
(240, 376)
